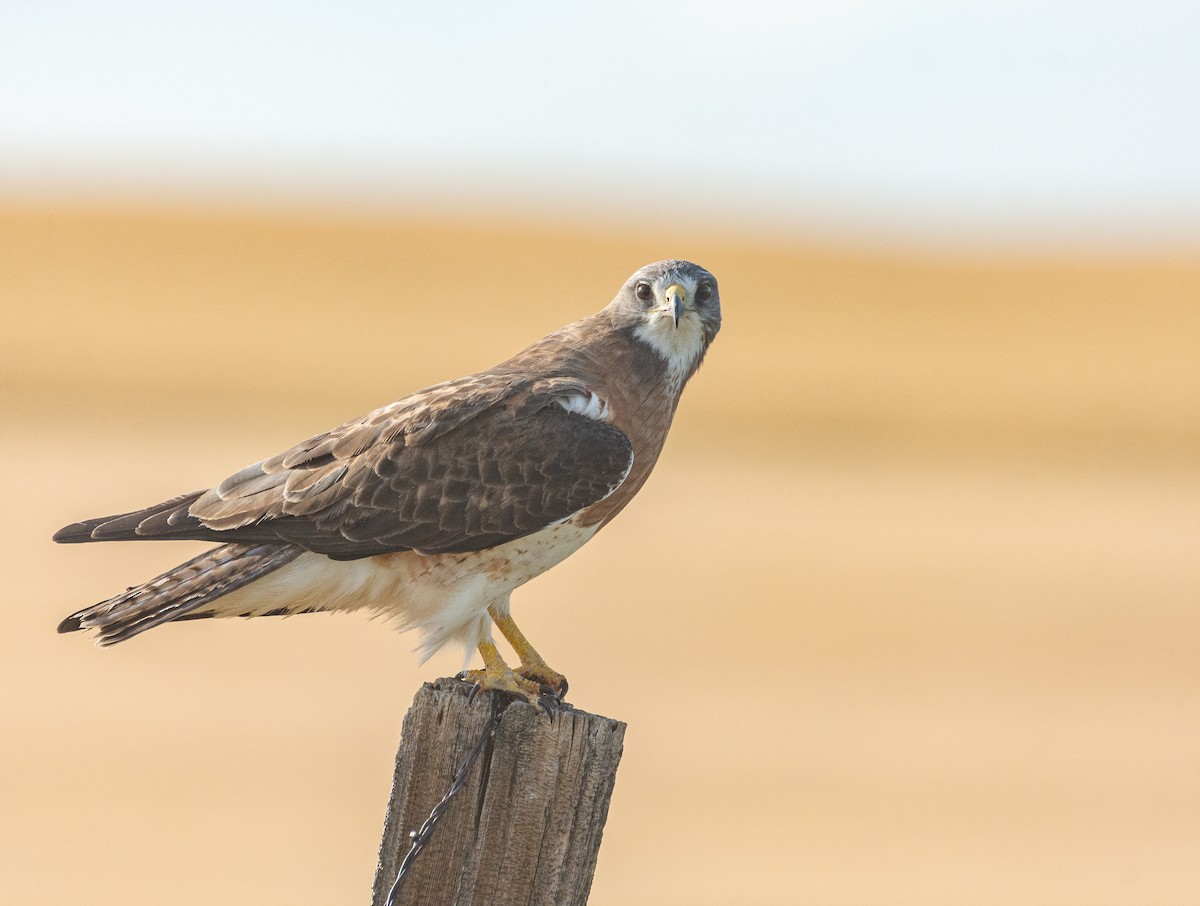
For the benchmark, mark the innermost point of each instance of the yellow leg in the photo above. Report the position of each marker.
(533, 667)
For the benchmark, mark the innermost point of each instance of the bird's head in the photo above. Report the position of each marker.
(673, 307)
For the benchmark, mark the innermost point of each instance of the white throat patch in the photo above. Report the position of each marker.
(679, 347)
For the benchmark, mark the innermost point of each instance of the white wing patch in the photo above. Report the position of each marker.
(591, 406)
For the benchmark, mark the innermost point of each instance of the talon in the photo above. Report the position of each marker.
(533, 667)
(554, 706)
(497, 676)
(550, 681)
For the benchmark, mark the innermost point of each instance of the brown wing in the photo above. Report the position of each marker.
(460, 467)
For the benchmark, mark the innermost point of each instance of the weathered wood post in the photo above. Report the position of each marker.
(524, 829)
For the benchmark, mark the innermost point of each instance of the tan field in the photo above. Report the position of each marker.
(908, 614)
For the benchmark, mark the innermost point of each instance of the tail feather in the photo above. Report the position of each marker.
(180, 591)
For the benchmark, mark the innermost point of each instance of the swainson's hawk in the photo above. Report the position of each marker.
(433, 509)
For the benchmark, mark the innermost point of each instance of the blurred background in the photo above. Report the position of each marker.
(927, 628)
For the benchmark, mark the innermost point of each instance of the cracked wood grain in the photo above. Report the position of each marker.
(526, 827)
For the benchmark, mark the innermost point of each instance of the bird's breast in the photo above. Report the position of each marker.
(644, 414)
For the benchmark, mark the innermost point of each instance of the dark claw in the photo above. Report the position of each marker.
(475, 687)
(549, 702)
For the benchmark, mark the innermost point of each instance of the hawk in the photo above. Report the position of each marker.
(432, 510)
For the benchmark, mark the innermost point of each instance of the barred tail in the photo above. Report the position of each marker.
(180, 591)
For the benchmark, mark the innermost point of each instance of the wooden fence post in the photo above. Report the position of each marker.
(526, 826)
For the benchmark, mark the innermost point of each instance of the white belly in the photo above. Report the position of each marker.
(444, 596)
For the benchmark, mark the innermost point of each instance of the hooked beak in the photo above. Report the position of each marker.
(676, 301)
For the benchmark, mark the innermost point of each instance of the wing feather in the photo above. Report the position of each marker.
(463, 466)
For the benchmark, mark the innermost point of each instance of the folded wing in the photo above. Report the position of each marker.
(461, 467)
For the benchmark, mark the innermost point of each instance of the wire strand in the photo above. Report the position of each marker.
(422, 835)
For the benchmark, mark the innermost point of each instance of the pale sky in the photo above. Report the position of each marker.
(931, 115)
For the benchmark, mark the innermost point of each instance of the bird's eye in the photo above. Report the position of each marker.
(644, 292)
(703, 292)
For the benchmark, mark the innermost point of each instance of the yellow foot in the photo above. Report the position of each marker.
(533, 667)
(506, 681)
(540, 674)
(497, 676)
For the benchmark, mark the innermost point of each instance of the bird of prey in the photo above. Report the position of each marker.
(432, 510)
